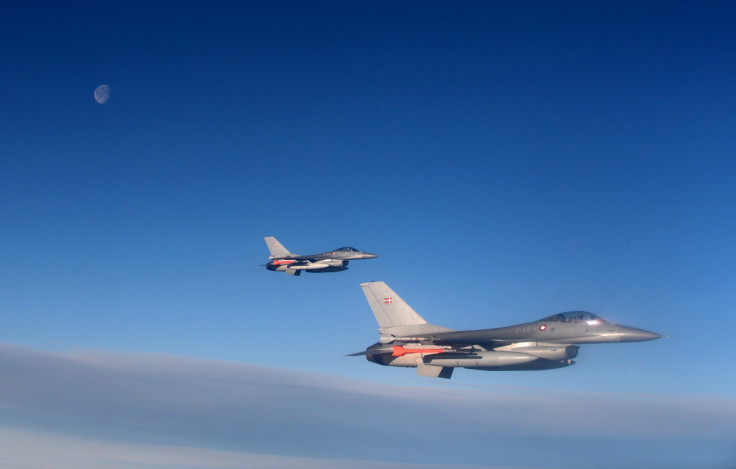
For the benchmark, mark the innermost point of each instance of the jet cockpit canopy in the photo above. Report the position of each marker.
(574, 317)
(347, 248)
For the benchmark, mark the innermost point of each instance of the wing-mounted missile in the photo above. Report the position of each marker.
(291, 264)
(479, 359)
(400, 351)
(333, 262)
(310, 266)
(549, 352)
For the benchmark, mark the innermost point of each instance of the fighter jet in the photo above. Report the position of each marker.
(407, 340)
(281, 260)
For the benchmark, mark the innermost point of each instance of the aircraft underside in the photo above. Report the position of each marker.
(296, 268)
(439, 361)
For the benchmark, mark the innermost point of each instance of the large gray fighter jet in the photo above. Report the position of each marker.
(281, 260)
(407, 340)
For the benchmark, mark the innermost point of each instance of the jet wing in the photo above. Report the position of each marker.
(458, 343)
(497, 337)
(311, 257)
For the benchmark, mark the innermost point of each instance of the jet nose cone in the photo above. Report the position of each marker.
(368, 255)
(631, 334)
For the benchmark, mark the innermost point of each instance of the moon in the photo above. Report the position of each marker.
(102, 94)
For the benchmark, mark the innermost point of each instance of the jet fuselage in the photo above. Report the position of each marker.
(407, 340)
(281, 260)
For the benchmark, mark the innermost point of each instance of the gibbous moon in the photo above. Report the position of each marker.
(102, 94)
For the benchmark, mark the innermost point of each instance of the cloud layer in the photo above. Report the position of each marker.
(228, 413)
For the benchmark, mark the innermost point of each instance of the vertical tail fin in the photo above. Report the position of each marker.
(395, 317)
(388, 307)
(277, 249)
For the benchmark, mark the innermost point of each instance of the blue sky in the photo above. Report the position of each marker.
(507, 161)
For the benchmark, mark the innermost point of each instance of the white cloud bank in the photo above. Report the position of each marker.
(26, 449)
(87, 409)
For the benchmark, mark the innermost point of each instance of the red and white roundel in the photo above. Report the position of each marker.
(543, 327)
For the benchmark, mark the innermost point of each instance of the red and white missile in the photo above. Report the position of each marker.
(283, 262)
(400, 351)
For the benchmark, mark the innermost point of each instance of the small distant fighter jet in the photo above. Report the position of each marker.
(281, 260)
(407, 340)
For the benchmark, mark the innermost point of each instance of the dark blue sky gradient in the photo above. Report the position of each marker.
(506, 160)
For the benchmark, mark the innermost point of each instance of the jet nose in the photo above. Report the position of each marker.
(368, 255)
(631, 334)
